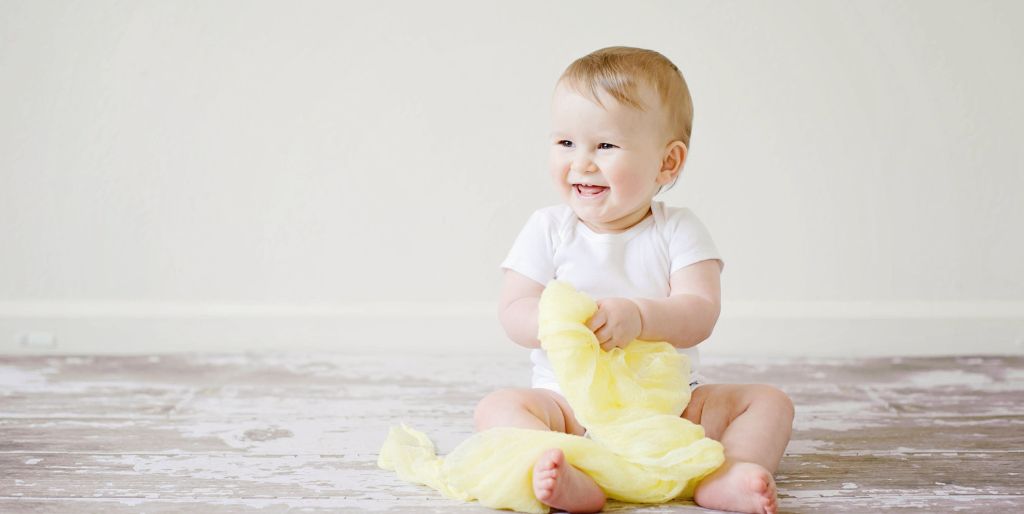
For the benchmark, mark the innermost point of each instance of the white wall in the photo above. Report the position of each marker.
(197, 175)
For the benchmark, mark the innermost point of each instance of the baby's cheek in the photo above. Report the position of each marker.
(631, 189)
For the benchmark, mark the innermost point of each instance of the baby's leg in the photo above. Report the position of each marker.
(555, 482)
(539, 409)
(754, 423)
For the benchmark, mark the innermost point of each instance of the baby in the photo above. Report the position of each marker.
(621, 120)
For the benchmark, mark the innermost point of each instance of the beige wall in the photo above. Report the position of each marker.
(281, 175)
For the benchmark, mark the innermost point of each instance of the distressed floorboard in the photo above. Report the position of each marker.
(275, 432)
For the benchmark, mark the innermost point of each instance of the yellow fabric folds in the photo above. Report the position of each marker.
(638, 448)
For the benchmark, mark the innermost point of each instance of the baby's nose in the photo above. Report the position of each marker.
(584, 165)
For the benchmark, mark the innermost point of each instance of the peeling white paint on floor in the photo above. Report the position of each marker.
(947, 377)
(239, 433)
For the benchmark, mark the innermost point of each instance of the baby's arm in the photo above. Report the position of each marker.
(690, 312)
(517, 308)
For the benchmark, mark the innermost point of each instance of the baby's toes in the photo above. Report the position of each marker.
(548, 460)
(759, 485)
(544, 489)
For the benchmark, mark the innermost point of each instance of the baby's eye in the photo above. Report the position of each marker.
(565, 142)
(605, 146)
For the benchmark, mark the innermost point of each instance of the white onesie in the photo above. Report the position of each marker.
(636, 263)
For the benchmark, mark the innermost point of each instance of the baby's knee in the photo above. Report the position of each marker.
(497, 404)
(773, 398)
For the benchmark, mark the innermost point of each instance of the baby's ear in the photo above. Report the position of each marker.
(672, 163)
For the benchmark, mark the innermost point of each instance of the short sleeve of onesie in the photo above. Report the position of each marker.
(689, 240)
(532, 253)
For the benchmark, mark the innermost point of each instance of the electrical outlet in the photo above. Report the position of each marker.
(37, 340)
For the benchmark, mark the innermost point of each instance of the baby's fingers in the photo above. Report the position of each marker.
(597, 321)
(611, 343)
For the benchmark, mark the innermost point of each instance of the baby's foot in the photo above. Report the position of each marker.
(740, 487)
(560, 485)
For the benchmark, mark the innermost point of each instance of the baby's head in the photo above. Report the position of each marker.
(621, 120)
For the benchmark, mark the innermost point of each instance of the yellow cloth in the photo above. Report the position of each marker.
(639, 450)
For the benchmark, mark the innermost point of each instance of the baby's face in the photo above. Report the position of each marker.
(605, 162)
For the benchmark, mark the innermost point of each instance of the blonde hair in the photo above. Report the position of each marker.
(620, 71)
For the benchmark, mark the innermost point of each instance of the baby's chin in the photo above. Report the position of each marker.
(586, 213)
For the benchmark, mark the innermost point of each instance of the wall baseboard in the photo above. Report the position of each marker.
(824, 329)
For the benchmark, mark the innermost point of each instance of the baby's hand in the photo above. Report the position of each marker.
(616, 322)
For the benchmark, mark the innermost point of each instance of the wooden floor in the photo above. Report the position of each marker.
(300, 432)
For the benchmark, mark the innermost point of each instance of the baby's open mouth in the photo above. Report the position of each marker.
(588, 191)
